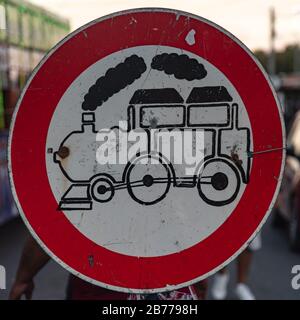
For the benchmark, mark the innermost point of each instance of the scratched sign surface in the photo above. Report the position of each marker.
(146, 150)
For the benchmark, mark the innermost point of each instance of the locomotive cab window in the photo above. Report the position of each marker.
(208, 115)
(162, 116)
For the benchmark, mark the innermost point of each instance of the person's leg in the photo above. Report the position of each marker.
(242, 290)
(219, 286)
(223, 271)
(244, 262)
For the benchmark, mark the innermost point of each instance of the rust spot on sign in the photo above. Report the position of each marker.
(235, 158)
(63, 152)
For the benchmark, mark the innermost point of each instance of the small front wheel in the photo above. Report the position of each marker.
(102, 189)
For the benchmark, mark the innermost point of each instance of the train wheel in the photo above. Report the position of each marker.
(219, 182)
(102, 189)
(148, 182)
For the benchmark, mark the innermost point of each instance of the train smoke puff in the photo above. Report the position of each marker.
(114, 80)
(181, 66)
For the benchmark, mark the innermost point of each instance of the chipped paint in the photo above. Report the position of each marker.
(91, 260)
(190, 37)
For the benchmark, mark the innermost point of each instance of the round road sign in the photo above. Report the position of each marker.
(89, 162)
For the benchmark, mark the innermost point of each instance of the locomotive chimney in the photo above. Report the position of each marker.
(88, 121)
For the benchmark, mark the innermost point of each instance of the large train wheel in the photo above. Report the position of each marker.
(148, 183)
(219, 182)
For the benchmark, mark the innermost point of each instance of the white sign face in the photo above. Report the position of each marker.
(163, 218)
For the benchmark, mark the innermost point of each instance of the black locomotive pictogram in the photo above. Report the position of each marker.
(218, 175)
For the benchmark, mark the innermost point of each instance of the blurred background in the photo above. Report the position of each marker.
(271, 29)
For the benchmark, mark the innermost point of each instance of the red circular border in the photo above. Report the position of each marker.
(29, 132)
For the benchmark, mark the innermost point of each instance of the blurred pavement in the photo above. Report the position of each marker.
(270, 273)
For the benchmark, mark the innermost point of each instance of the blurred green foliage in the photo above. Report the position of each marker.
(287, 60)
